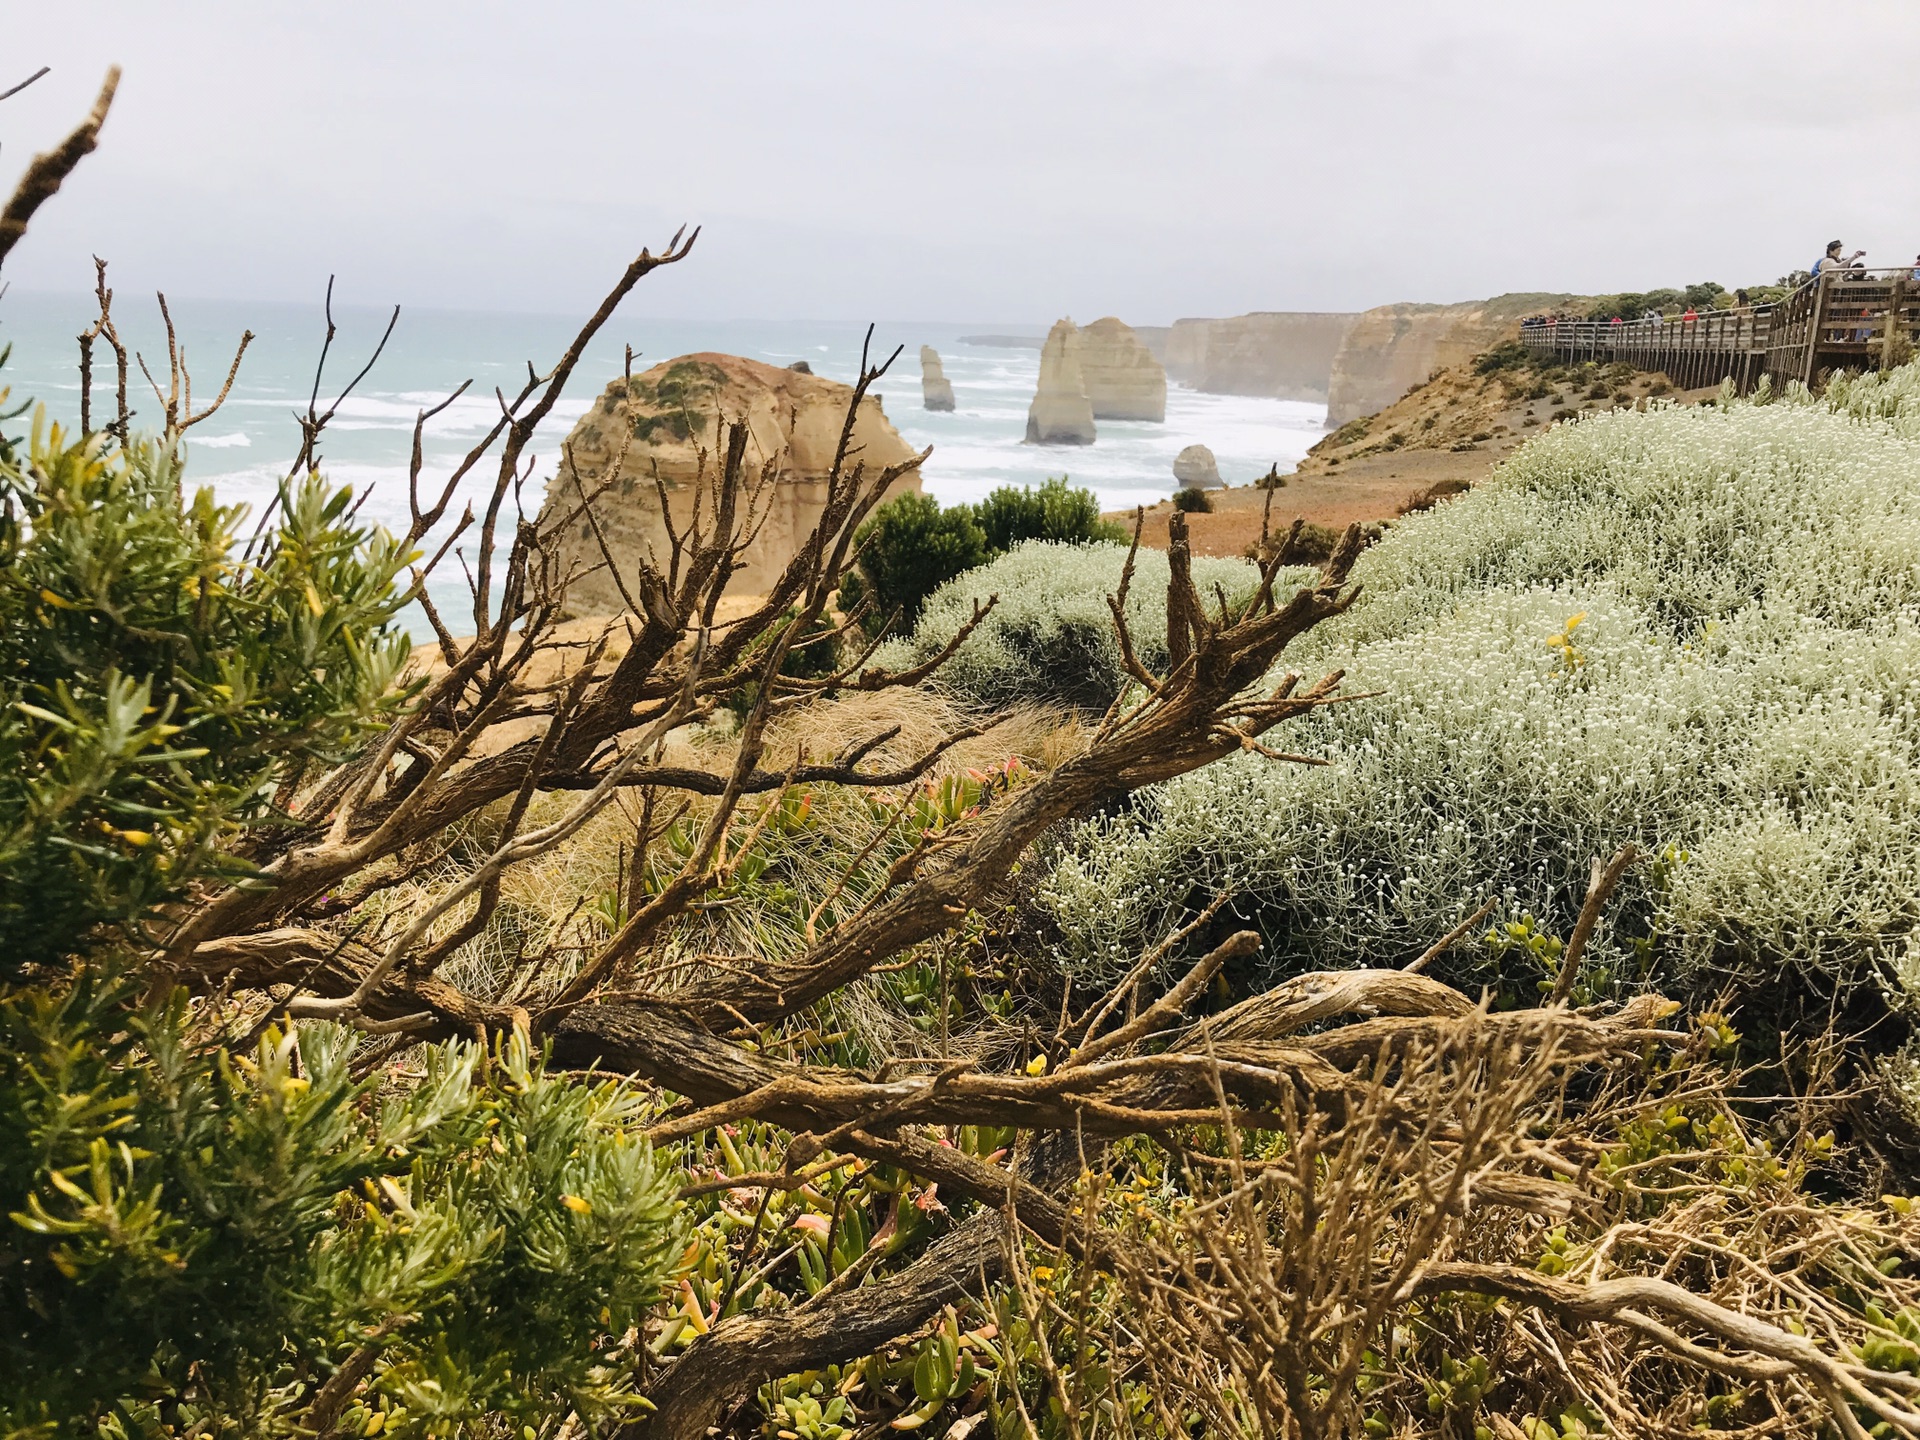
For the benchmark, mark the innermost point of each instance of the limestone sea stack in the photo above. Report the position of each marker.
(660, 422)
(1060, 414)
(1124, 381)
(1195, 467)
(936, 391)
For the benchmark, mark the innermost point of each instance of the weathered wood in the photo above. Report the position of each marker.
(1837, 322)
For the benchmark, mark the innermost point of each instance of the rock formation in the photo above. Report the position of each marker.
(1124, 381)
(1195, 467)
(1154, 337)
(936, 391)
(1393, 348)
(1061, 413)
(1284, 354)
(658, 424)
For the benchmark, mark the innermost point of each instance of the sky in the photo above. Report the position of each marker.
(971, 161)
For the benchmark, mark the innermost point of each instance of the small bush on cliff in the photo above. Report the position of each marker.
(907, 551)
(1507, 355)
(1191, 501)
(912, 546)
(1054, 510)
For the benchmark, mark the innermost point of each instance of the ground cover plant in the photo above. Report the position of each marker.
(530, 1045)
(1691, 630)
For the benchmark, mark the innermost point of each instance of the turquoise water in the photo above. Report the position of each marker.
(244, 450)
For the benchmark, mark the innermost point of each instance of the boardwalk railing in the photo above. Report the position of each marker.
(1852, 320)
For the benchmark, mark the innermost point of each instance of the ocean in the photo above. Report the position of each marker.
(244, 450)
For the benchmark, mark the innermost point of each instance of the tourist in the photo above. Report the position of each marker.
(1691, 316)
(1834, 258)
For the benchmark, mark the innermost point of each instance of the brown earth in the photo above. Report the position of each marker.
(1450, 432)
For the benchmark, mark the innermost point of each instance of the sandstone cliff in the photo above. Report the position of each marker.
(1393, 348)
(936, 391)
(1060, 413)
(665, 418)
(1154, 337)
(1284, 354)
(1124, 381)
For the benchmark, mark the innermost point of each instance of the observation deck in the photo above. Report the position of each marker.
(1849, 320)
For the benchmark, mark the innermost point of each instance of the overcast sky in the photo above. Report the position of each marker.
(973, 160)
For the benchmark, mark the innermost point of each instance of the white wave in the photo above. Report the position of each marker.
(220, 442)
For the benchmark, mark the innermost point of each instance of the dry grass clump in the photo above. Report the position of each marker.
(807, 849)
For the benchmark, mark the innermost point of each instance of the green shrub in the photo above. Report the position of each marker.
(812, 656)
(1695, 630)
(1050, 639)
(1190, 501)
(1348, 433)
(199, 1237)
(157, 680)
(196, 1235)
(1052, 511)
(1507, 355)
(912, 546)
(908, 549)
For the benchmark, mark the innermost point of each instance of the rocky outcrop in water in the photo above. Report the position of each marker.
(1287, 355)
(936, 391)
(1393, 348)
(1195, 467)
(1124, 381)
(660, 422)
(1060, 413)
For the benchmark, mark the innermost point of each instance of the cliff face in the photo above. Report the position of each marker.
(1154, 337)
(1284, 354)
(665, 418)
(1392, 348)
(936, 391)
(1060, 413)
(1186, 354)
(1123, 380)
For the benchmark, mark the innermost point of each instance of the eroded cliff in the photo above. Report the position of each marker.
(1393, 348)
(936, 391)
(1123, 380)
(1060, 413)
(1284, 354)
(660, 422)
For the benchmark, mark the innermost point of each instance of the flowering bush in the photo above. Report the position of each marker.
(1696, 629)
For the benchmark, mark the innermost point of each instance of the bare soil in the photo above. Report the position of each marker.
(1452, 431)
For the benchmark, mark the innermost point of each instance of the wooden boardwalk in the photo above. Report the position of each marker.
(1839, 322)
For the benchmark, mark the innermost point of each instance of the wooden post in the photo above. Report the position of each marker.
(1815, 316)
(1894, 299)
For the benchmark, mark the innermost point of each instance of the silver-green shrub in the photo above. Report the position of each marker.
(1051, 637)
(1696, 629)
